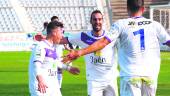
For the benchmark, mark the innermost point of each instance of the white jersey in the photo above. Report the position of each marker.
(44, 53)
(59, 51)
(139, 49)
(100, 65)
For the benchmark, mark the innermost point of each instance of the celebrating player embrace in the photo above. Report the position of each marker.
(101, 69)
(138, 50)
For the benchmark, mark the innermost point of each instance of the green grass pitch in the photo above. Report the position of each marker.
(14, 76)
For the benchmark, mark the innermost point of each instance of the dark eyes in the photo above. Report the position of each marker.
(97, 19)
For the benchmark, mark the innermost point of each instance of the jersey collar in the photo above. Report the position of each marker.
(48, 43)
(136, 17)
(103, 32)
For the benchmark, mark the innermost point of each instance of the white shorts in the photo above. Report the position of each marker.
(137, 86)
(98, 88)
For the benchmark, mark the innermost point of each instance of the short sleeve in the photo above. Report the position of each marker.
(39, 53)
(162, 34)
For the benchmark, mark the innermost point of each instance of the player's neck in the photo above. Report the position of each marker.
(138, 13)
(97, 34)
(50, 40)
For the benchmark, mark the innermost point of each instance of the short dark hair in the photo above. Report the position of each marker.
(54, 17)
(52, 25)
(94, 12)
(134, 5)
(45, 24)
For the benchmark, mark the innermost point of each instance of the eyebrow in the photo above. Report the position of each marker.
(97, 18)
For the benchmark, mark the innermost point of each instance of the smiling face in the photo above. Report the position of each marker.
(96, 21)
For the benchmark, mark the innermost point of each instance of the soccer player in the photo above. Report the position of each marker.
(60, 52)
(138, 51)
(59, 47)
(44, 62)
(101, 69)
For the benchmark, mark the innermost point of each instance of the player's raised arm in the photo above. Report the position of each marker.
(100, 44)
(74, 54)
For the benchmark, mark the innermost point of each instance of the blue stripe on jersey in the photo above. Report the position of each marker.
(38, 61)
(166, 42)
(107, 38)
(51, 53)
(87, 39)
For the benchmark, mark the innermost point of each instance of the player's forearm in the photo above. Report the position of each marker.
(98, 45)
(66, 67)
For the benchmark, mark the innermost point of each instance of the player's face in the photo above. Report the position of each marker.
(57, 34)
(97, 21)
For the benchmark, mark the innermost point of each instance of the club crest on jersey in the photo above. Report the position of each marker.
(54, 65)
(97, 53)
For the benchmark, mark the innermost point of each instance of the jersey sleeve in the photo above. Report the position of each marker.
(162, 34)
(75, 38)
(39, 55)
(114, 33)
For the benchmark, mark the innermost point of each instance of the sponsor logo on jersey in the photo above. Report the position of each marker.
(139, 23)
(97, 59)
(52, 72)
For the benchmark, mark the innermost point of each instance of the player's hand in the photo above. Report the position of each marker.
(66, 47)
(73, 54)
(39, 37)
(74, 70)
(41, 85)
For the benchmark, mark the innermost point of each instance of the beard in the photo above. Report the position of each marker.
(96, 29)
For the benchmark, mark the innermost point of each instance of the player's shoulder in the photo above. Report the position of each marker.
(121, 22)
(41, 44)
(85, 33)
(156, 23)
